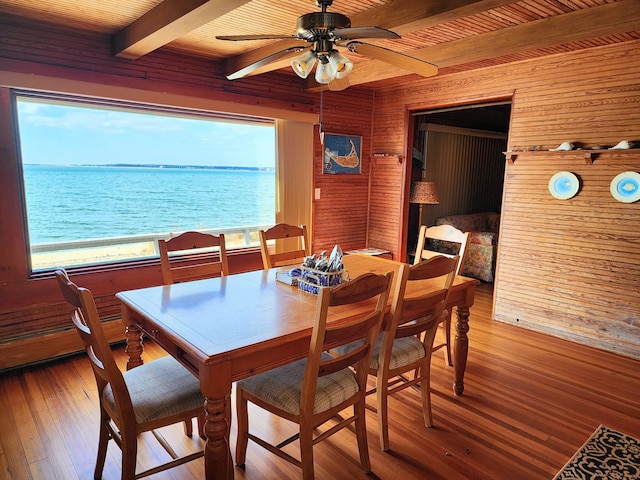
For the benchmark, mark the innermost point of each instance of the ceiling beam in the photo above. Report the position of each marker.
(608, 19)
(167, 21)
(401, 16)
(405, 16)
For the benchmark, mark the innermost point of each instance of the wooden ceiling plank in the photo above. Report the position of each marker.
(166, 22)
(402, 16)
(405, 16)
(618, 17)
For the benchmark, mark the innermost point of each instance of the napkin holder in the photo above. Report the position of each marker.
(311, 279)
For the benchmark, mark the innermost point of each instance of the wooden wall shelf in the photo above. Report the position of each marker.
(588, 156)
(398, 158)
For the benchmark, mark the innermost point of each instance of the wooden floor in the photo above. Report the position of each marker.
(530, 401)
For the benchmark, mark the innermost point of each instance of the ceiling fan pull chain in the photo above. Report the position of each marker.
(321, 129)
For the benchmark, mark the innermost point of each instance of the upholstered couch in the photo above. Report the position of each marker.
(480, 260)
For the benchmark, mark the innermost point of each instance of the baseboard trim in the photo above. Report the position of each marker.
(48, 346)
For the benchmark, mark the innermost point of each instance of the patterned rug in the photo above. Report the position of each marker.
(607, 455)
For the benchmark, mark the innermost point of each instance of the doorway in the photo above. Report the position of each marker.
(460, 149)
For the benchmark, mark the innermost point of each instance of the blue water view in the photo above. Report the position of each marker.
(85, 202)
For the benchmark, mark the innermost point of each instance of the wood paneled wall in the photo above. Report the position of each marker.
(387, 195)
(570, 268)
(340, 215)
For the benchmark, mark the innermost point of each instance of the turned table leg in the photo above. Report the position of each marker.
(133, 337)
(460, 349)
(215, 383)
(218, 462)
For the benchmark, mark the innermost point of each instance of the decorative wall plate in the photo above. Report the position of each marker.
(564, 185)
(625, 187)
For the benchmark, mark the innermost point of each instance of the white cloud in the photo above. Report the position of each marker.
(105, 121)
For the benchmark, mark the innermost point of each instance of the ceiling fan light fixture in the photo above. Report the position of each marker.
(303, 64)
(341, 64)
(325, 72)
(325, 31)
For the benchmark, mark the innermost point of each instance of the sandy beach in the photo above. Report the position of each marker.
(111, 253)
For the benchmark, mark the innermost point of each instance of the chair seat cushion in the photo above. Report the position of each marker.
(282, 387)
(160, 389)
(405, 351)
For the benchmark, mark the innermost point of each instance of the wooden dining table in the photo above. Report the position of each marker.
(228, 328)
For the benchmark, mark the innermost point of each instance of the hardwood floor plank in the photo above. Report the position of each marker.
(57, 450)
(4, 465)
(13, 455)
(28, 433)
(530, 401)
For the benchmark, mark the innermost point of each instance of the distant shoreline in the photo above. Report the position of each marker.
(162, 166)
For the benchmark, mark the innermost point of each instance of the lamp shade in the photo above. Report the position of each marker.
(303, 64)
(424, 193)
(324, 71)
(341, 64)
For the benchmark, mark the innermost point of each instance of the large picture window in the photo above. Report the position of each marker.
(103, 182)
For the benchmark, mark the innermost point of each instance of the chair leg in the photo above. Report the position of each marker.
(361, 435)
(243, 427)
(382, 397)
(306, 451)
(425, 390)
(446, 331)
(188, 427)
(201, 426)
(103, 441)
(425, 382)
(129, 452)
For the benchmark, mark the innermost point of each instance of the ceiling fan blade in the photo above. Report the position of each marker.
(235, 38)
(398, 59)
(339, 84)
(362, 32)
(263, 61)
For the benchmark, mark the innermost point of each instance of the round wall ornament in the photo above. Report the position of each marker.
(564, 185)
(625, 187)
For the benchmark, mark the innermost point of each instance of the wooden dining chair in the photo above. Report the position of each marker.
(449, 241)
(312, 391)
(145, 398)
(284, 231)
(406, 344)
(201, 262)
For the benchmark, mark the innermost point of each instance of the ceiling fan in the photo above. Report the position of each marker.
(324, 31)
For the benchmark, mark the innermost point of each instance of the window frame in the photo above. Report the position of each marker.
(129, 106)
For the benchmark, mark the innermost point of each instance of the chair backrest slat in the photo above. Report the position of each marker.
(86, 320)
(372, 291)
(284, 231)
(415, 312)
(195, 264)
(441, 233)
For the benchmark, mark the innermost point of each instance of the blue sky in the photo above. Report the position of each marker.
(54, 134)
